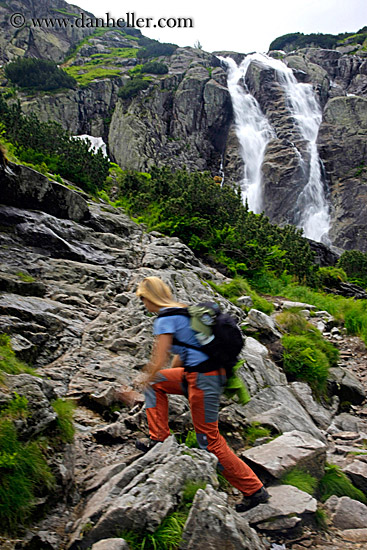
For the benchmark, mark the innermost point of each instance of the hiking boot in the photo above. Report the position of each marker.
(247, 503)
(146, 444)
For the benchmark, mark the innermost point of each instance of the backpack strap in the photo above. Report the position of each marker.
(205, 366)
(174, 311)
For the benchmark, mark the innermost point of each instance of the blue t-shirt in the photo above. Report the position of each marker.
(179, 327)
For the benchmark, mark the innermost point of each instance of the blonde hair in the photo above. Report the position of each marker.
(157, 292)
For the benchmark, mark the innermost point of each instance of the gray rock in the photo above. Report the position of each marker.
(291, 450)
(211, 521)
(111, 544)
(245, 301)
(347, 386)
(355, 535)
(258, 371)
(277, 407)
(320, 415)
(357, 471)
(347, 513)
(286, 508)
(24, 187)
(265, 326)
(41, 416)
(145, 492)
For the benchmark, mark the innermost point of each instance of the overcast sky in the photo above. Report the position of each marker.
(237, 25)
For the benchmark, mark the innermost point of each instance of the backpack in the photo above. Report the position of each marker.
(218, 333)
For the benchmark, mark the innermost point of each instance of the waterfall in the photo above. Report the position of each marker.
(254, 132)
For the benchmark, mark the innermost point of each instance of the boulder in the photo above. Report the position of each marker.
(357, 471)
(24, 187)
(257, 321)
(289, 451)
(258, 371)
(111, 544)
(346, 386)
(319, 414)
(144, 493)
(287, 508)
(347, 513)
(212, 521)
(38, 392)
(278, 408)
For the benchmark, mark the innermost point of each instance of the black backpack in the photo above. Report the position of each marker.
(226, 339)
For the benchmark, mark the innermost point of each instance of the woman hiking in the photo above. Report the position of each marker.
(203, 390)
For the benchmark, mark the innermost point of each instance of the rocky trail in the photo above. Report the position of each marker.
(69, 270)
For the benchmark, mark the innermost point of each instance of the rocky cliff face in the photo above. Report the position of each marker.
(77, 319)
(44, 42)
(184, 119)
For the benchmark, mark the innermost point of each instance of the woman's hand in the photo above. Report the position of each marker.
(141, 381)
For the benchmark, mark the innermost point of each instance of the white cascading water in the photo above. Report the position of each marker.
(254, 132)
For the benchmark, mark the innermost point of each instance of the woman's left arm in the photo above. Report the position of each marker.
(160, 355)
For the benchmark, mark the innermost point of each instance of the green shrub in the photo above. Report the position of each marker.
(354, 263)
(155, 49)
(335, 482)
(38, 74)
(304, 361)
(64, 410)
(300, 479)
(295, 324)
(292, 322)
(213, 221)
(154, 67)
(48, 144)
(298, 40)
(331, 276)
(24, 476)
(133, 87)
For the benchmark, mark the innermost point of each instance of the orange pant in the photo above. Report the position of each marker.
(203, 391)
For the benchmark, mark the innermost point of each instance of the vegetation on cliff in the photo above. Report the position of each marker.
(297, 40)
(48, 144)
(213, 221)
(38, 74)
(25, 473)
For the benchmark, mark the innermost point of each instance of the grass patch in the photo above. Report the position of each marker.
(295, 324)
(254, 432)
(300, 479)
(353, 313)
(24, 476)
(93, 72)
(25, 277)
(240, 287)
(17, 408)
(9, 363)
(335, 482)
(321, 519)
(189, 492)
(303, 361)
(64, 410)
